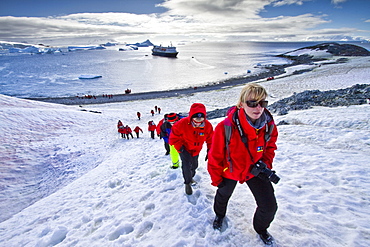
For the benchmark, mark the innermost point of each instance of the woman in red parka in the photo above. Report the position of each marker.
(121, 128)
(187, 136)
(231, 163)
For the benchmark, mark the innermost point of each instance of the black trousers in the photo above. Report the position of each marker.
(264, 196)
(189, 164)
(167, 146)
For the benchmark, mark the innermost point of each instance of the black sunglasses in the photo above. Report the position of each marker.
(254, 103)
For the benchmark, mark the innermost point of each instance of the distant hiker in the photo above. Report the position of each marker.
(138, 115)
(159, 110)
(129, 132)
(188, 136)
(166, 127)
(243, 150)
(137, 130)
(155, 108)
(119, 124)
(151, 128)
(121, 128)
(152, 112)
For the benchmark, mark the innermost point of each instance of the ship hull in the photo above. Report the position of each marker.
(163, 54)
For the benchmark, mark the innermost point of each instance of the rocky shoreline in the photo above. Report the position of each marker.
(270, 71)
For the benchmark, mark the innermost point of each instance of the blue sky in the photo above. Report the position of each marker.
(80, 21)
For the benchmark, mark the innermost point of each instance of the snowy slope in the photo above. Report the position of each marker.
(132, 198)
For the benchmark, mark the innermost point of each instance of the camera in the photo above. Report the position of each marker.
(260, 170)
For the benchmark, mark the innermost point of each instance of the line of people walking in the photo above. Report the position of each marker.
(126, 131)
(152, 112)
(241, 149)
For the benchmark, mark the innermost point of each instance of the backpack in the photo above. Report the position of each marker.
(229, 129)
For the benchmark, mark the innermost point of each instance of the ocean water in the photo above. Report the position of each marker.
(56, 75)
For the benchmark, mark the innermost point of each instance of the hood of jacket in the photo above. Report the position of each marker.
(197, 108)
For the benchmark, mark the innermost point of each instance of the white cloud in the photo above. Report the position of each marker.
(205, 19)
(338, 1)
(288, 2)
(215, 9)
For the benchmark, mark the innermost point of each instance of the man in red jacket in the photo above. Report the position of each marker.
(137, 130)
(188, 136)
(151, 128)
(252, 140)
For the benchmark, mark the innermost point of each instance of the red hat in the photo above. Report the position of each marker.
(172, 117)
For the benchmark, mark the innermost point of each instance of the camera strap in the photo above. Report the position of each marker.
(243, 136)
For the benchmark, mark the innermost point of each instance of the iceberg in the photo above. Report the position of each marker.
(109, 44)
(10, 47)
(128, 48)
(30, 49)
(89, 76)
(146, 43)
(80, 48)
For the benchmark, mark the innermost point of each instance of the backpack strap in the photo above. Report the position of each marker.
(268, 132)
(269, 128)
(228, 131)
(243, 136)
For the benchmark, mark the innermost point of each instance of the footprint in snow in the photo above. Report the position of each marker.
(121, 230)
(146, 196)
(57, 237)
(148, 209)
(172, 177)
(194, 197)
(144, 228)
(114, 184)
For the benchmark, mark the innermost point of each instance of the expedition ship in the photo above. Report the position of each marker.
(169, 51)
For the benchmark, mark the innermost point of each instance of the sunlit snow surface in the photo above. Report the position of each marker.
(109, 191)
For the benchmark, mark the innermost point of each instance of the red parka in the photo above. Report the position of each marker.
(241, 161)
(128, 130)
(183, 133)
(120, 127)
(158, 129)
(137, 129)
(151, 126)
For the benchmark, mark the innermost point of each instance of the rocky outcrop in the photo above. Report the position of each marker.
(355, 95)
(341, 49)
(335, 49)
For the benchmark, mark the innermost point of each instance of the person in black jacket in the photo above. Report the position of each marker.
(166, 127)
